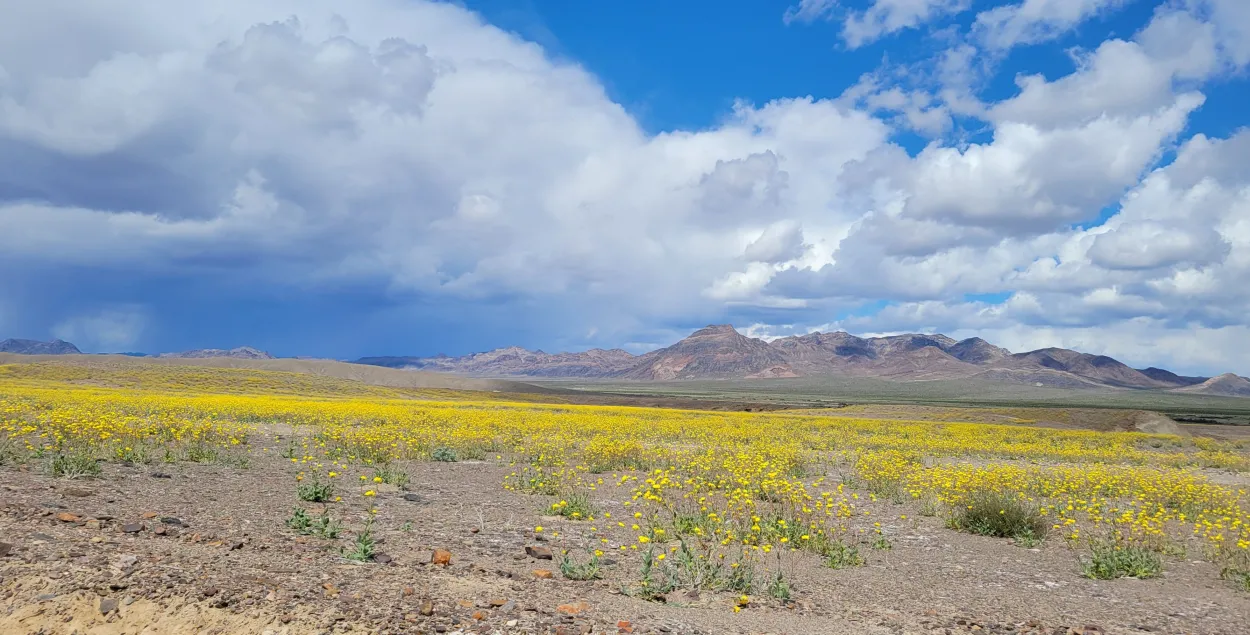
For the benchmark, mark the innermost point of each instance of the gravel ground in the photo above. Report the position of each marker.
(204, 548)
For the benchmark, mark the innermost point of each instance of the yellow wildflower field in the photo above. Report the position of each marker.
(719, 495)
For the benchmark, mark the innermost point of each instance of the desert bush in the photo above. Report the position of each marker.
(1000, 514)
(1110, 560)
(575, 506)
(444, 454)
(74, 465)
(315, 490)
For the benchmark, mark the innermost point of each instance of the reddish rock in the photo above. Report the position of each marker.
(574, 608)
(440, 557)
(543, 574)
(67, 517)
(538, 552)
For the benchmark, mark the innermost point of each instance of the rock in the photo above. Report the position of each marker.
(161, 475)
(624, 626)
(236, 545)
(412, 498)
(479, 615)
(44, 597)
(382, 558)
(173, 520)
(125, 561)
(149, 515)
(67, 517)
(132, 528)
(5, 549)
(497, 602)
(511, 623)
(160, 530)
(573, 609)
(76, 493)
(508, 607)
(408, 591)
(538, 552)
(440, 557)
(42, 536)
(543, 574)
(210, 591)
(93, 523)
(107, 605)
(427, 608)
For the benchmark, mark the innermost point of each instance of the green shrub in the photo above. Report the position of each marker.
(1111, 560)
(444, 454)
(74, 465)
(1000, 514)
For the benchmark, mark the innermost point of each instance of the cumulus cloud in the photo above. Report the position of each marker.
(1033, 21)
(410, 156)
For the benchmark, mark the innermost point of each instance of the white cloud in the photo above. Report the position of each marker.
(406, 146)
(810, 10)
(889, 16)
(112, 329)
(1033, 21)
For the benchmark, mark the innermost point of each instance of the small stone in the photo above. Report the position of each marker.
(5, 549)
(236, 545)
(511, 623)
(479, 615)
(427, 608)
(160, 530)
(132, 528)
(574, 608)
(210, 591)
(67, 517)
(107, 605)
(538, 552)
(173, 520)
(42, 536)
(543, 574)
(382, 558)
(408, 591)
(412, 498)
(76, 493)
(475, 530)
(440, 557)
(44, 597)
(93, 523)
(161, 475)
(497, 602)
(126, 560)
(623, 626)
(149, 515)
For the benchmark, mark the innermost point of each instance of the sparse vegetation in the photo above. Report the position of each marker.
(74, 465)
(1001, 514)
(1111, 559)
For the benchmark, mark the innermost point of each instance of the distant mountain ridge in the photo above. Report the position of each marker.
(35, 347)
(721, 352)
(242, 352)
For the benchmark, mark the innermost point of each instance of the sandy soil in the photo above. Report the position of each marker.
(226, 563)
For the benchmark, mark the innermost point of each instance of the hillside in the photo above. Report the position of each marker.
(35, 347)
(721, 352)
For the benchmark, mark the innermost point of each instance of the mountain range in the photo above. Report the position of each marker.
(721, 352)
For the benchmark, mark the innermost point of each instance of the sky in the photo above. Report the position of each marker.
(405, 177)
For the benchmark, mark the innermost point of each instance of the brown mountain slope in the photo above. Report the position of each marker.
(1226, 385)
(712, 352)
(1099, 368)
(720, 352)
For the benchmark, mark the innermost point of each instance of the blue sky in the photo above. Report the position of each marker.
(413, 177)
